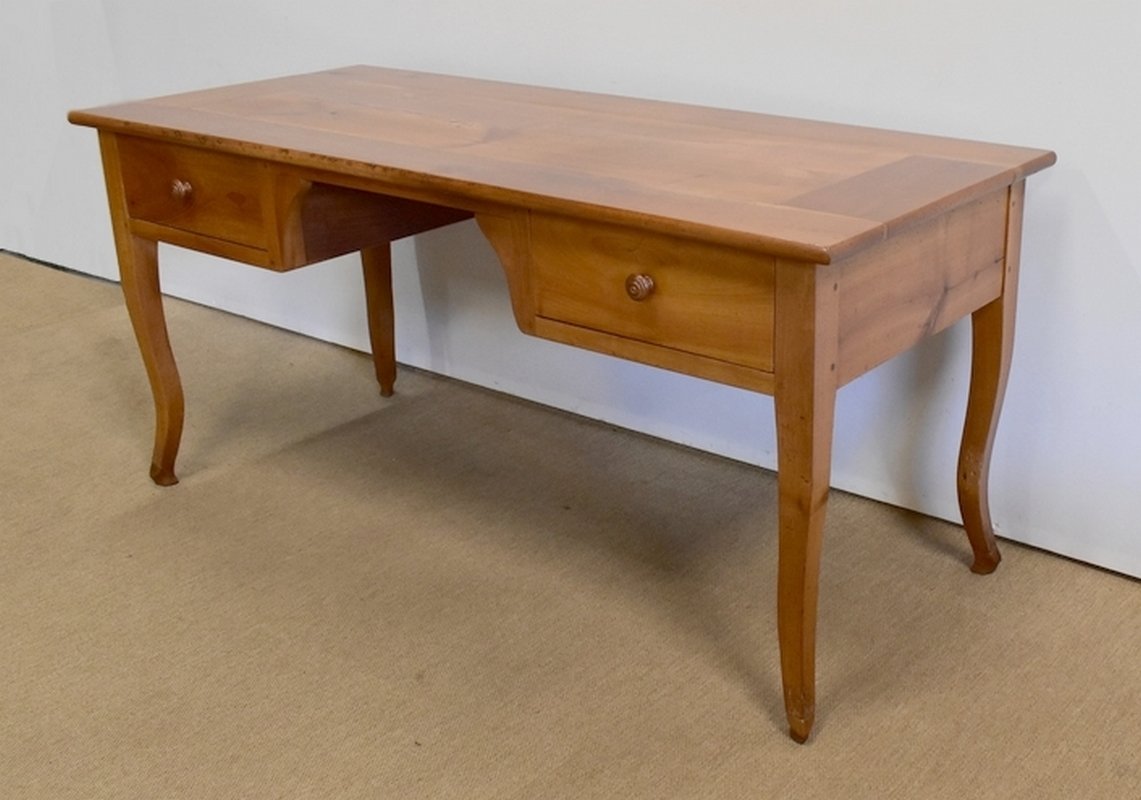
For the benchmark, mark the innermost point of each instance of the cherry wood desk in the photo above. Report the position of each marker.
(779, 255)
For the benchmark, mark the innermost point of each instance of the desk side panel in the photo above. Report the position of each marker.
(919, 282)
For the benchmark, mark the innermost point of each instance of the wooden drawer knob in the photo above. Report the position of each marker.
(639, 287)
(181, 190)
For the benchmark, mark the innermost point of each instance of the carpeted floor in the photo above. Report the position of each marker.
(455, 594)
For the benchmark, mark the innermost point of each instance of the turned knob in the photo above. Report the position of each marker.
(180, 189)
(639, 287)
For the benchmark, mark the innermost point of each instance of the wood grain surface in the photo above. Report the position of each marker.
(812, 191)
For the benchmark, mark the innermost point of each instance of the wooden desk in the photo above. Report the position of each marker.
(780, 255)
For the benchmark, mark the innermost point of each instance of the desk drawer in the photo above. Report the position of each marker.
(702, 299)
(211, 194)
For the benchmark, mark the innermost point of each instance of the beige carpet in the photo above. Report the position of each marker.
(455, 594)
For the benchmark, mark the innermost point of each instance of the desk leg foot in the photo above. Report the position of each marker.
(377, 265)
(163, 476)
(805, 353)
(799, 730)
(138, 269)
(992, 342)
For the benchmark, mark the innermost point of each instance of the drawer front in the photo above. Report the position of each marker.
(675, 293)
(210, 194)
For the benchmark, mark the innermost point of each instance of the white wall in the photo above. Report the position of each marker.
(1061, 75)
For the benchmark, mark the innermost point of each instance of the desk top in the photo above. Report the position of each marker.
(808, 190)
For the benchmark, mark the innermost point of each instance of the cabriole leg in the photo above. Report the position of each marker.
(377, 265)
(805, 396)
(138, 269)
(992, 341)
